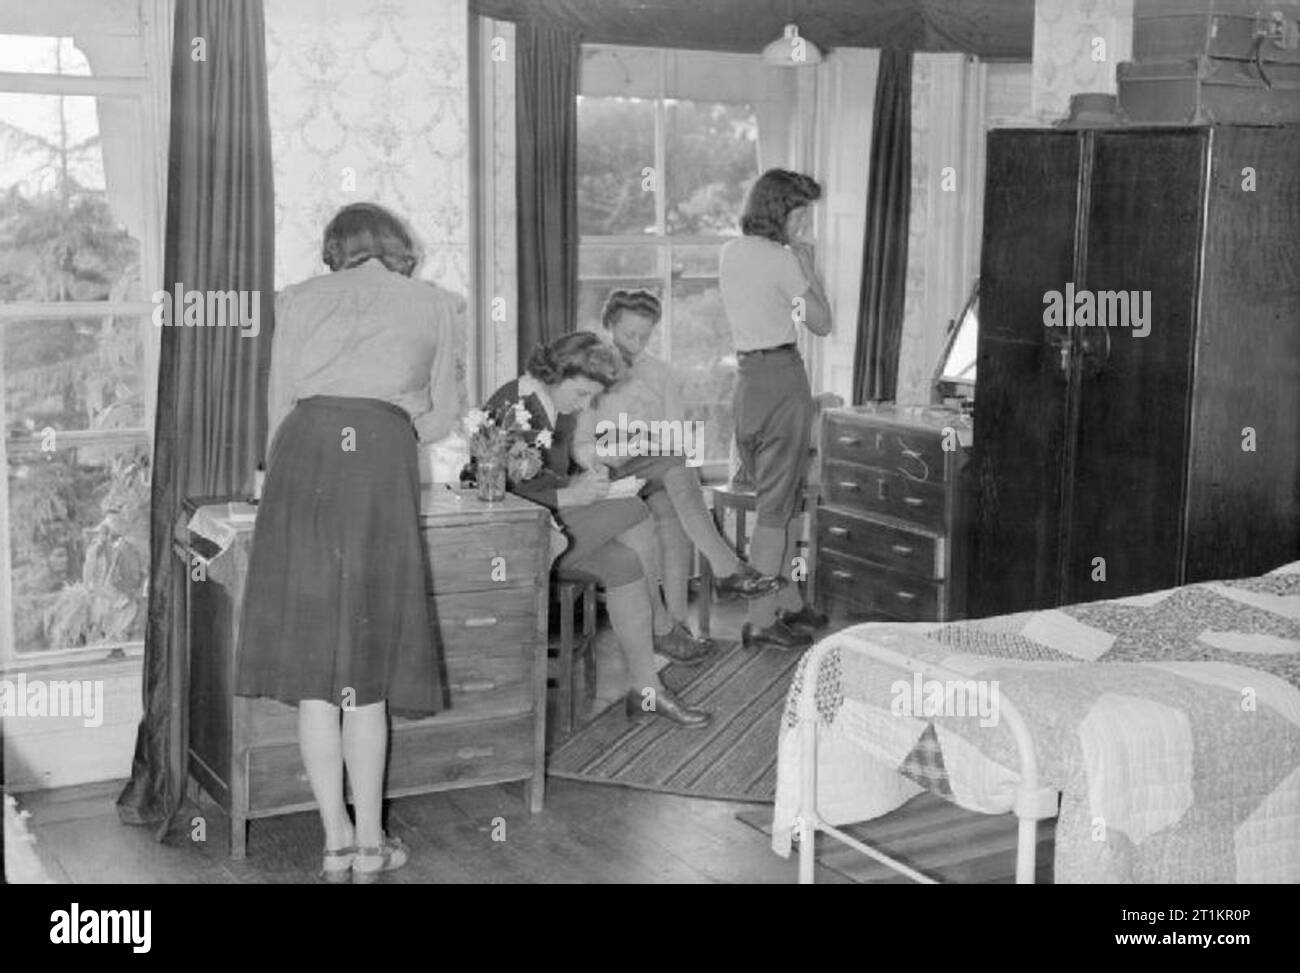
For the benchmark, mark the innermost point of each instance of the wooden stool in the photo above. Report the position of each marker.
(744, 501)
(563, 673)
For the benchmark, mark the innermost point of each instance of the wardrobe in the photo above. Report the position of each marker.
(1162, 446)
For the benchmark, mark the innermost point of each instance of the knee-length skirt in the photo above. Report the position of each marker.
(336, 605)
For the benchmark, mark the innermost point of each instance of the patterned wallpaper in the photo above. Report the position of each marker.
(913, 369)
(1077, 44)
(369, 100)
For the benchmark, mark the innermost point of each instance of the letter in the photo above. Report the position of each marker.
(161, 308)
(1070, 301)
(934, 697)
(193, 316)
(90, 927)
(1142, 318)
(900, 703)
(221, 308)
(7, 695)
(143, 931)
(115, 927)
(638, 434)
(36, 698)
(1112, 309)
(59, 929)
(1085, 314)
(961, 697)
(605, 429)
(989, 714)
(94, 713)
(1053, 311)
(918, 695)
(250, 320)
(63, 701)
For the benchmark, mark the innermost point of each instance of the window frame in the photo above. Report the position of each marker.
(140, 91)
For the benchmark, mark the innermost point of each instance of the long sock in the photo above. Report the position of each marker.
(629, 613)
(640, 537)
(321, 743)
(766, 550)
(365, 751)
(683, 486)
(790, 598)
(674, 554)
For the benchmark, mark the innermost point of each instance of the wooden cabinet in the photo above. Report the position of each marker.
(1139, 455)
(890, 525)
(490, 568)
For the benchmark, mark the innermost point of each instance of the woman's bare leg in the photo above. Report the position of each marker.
(365, 751)
(320, 740)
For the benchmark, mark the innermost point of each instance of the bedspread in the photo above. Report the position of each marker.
(1169, 722)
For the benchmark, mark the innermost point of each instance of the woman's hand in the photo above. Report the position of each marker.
(589, 487)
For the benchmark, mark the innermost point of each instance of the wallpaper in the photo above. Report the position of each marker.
(1077, 44)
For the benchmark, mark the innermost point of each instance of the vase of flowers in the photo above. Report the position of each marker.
(503, 448)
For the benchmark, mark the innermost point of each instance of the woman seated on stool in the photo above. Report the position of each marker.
(611, 539)
(649, 392)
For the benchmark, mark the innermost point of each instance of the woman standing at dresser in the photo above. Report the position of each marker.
(335, 613)
(769, 284)
(610, 539)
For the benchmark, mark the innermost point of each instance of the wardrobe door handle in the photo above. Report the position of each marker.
(842, 575)
(847, 485)
(848, 440)
(901, 549)
(485, 622)
(913, 501)
(475, 686)
(838, 531)
(905, 595)
(881, 490)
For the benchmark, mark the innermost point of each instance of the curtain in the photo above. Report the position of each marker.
(546, 181)
(884, 251)
(211, 407)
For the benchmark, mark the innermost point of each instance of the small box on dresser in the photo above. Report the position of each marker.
(490, 568)
(891, 521)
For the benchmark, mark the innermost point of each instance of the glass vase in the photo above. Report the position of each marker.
(491, 482)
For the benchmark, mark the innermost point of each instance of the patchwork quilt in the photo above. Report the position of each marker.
(1168, 722)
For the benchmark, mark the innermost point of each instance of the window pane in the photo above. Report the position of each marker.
(703, 356)
(711, 153)
(79, 543)
(41, 55)
(618, 262)
(77, 374)
(70, 201)
(615, 145)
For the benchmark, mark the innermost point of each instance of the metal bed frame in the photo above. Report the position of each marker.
(1033, 802)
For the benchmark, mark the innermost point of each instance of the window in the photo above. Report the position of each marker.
(79, 254)
(661, 183)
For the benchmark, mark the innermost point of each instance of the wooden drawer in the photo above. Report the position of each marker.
(917, 453)
(464, 558)
(422, 755)
(904, 550)
(489, 639)
(884, 492)
(876, 590)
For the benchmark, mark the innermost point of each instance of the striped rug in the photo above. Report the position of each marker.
(734, 759)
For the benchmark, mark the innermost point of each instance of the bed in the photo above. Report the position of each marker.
(1162, 731)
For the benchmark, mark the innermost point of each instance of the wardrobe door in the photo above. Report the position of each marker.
(1128, 468)
(1031, 192)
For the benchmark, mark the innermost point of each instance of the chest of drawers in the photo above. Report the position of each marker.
(891, 520)
(490, 565)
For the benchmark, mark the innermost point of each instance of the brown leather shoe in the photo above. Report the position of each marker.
(683, 647)
(748, 582)
(778, 635)
(668, 706)
(806, 619)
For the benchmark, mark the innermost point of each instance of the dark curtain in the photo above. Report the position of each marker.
(211, 412)
(884, 255)
(548, 68)
(986, 28)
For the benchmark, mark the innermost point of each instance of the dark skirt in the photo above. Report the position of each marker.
(336, 605)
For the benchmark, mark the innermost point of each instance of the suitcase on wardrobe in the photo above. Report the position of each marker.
(1204, 90)
(1166, 29)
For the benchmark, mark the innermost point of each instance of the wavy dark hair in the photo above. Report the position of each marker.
(638, 302)
(579, 354)
(362, 231)
(776, 194)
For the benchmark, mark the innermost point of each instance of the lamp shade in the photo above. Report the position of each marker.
(791, 51)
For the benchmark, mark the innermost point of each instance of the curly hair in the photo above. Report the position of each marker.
(579, 354)
(638, 302)
(773, 197)
(362, 231)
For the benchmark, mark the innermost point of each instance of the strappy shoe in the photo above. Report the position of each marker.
(336, 865)
(371, 862)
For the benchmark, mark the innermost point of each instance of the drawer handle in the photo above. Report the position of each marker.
(914, 501)
(471, 753)
(849, 441)
(475, 686)
(905, 595)
(901, 549)
(881, 490)
(842, 575)
(485, 622)
(848, 485)
(838, 531)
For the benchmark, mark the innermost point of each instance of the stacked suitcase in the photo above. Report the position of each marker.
(1208, 61)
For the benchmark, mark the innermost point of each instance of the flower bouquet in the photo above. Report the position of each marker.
(503, 447)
